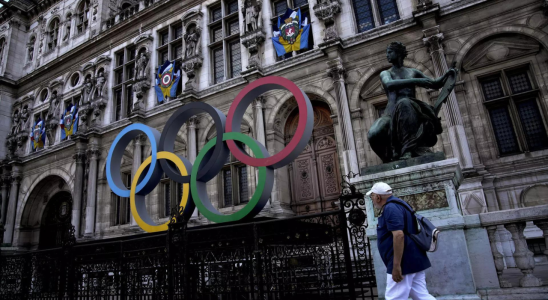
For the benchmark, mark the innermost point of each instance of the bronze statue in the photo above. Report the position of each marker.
(408, 127)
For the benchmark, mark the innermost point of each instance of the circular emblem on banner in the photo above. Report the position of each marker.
(166, 79)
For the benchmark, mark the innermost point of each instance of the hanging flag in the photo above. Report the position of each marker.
(167, 80)
(292, 34)
(38, 134)
(69, 122)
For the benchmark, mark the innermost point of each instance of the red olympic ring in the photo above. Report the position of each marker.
(304, 127)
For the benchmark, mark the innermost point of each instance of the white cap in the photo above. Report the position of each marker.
(380, 188)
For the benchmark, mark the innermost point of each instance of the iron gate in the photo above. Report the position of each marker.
(320, 256)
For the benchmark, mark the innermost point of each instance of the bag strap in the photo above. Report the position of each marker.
(409, 209)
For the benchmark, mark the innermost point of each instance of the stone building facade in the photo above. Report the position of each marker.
(102, 56)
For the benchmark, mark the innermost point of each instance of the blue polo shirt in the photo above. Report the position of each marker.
(395, 217)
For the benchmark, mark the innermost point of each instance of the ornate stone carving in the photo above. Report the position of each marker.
(252, 41)
(191, 66)
(253, 15)
(142, 66)
(86, 91)
(100, 84)
(523, 257)
(327, 10)
(192, 41)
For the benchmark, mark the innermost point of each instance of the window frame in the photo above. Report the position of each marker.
(225, 41)
(116, 219)
(376, 15)
(125, 60)
(509, 100)
(234, 166)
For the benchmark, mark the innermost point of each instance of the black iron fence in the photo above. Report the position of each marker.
(320, 256)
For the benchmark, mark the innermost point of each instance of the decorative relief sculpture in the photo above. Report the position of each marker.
(408, 127)
(254, 36)
(142, 80)
(192, 39)
(253, 15)
(19, 131)
(31, 49)
(327, 11)
(86, 91)
(193, 59)
(52, 116)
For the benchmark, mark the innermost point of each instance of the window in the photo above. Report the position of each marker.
(224, 37)
(172, 192)
(75, 79)
(120, 207)
(82, 20)
(124, 74)
(170, 45)
(235, 188)
(279, 8)
(53, 34)
(512, 103)
(367, 17)
(44, 95)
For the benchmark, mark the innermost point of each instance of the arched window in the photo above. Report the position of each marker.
(82, 21)
(373, 13)
(53, 33)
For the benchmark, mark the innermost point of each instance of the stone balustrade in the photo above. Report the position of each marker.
(515, 221)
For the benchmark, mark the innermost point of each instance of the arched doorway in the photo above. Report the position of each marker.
(43, 201)
(56, 220)
(315, 175)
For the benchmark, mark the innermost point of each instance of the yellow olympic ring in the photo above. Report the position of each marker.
(146, 224)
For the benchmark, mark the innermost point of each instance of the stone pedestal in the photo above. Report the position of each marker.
(463, 261)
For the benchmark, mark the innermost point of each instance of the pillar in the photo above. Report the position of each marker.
(523, 257)
(4, 193)
(93, 155)
(191, 132)
(259, 119)
(543, 225)
(77, 197)
(459, 143)
(137, 160)
(497, 257)
(11, 213)
(350, 158)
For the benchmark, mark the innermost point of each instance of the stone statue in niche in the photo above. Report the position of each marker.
(31, 50)
(142, 66)
(16, 123)
(86, 91)
(25, 118)
(408, 127)
(252, 16)
(67, 31)
(191, 41)
(100, 83)
(53, 112)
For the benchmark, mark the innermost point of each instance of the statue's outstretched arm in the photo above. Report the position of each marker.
(396, 84)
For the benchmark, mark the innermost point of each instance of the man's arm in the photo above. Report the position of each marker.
(398, 238)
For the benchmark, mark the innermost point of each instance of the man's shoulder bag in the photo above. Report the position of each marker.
(427, 236)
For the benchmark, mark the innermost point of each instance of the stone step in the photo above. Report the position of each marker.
(532, 293)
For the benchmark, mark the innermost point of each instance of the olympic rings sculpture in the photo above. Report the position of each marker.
(210, 159)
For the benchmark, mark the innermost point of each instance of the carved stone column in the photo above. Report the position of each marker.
(11, 213)
(459, 143)
(77, 197)
(497, 257)
(137, 160)
(191, 132)
(326, 11)
(4, 192)
(523, 257)
(259, 119)
(338, 74)
(93, 155)
(192, 145)
(543, 225)
(253, 40)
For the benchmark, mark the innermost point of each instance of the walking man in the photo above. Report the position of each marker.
(405, 261)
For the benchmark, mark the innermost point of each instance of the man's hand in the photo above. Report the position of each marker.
(396, 274)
